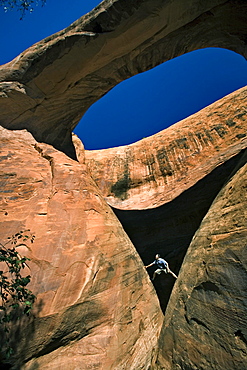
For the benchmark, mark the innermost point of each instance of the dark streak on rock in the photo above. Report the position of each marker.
(230, 123)
(182, 143)
(121, 187)
(208, 286)
(163, 161)
(221, 131)
(199, 322)
(240, 136)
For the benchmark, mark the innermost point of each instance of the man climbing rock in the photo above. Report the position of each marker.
(162, 267)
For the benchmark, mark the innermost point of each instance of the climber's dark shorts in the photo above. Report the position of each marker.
(159, 271)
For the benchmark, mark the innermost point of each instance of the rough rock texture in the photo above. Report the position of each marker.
(169, 229)
(48, 88)
(95, 305)
(183, 168)
(205, 325)
(156, 170)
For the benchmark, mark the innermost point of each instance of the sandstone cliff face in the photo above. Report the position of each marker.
(95, 304)
(181, 170)
(49, 87)
(169, 229)
(205, 325)
(156, 170)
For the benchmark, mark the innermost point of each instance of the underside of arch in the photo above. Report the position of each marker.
(49, 87)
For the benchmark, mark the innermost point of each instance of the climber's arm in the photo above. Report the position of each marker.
(151, 264)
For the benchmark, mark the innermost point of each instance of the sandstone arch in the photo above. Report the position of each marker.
(96, 306)
(49, 87)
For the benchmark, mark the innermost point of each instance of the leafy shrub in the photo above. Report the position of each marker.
(22, 6)
(15, 299)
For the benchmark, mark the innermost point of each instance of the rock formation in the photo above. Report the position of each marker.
(96, 306)
(95, 303)
(205, 325)
(156, 170)
(152, 184)
(48, 87)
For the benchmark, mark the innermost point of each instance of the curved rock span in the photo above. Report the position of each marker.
(49, 87)
(181, 192)
(157, 169)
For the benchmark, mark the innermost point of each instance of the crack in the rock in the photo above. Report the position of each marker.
(51, 162)
(199, 322)
(241, 336)
(154, 230)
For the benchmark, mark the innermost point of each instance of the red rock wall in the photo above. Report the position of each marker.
(95, 304)
(96, 307)
(157, 169)
(161, 187)
(169, 229)
(205, 325)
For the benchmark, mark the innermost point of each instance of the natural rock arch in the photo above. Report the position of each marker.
(48, 88)
(111, 317)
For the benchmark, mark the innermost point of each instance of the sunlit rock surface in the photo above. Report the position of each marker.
(156, 170)
(181, 169)
(95, 304)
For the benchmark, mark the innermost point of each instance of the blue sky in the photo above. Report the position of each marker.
(144, 104)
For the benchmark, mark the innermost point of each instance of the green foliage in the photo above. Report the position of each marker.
(15, 299)
(22, 6)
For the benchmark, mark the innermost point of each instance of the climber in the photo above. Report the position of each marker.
(162, 267)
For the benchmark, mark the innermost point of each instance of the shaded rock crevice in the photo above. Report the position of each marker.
(210, 296)
(169, 229)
